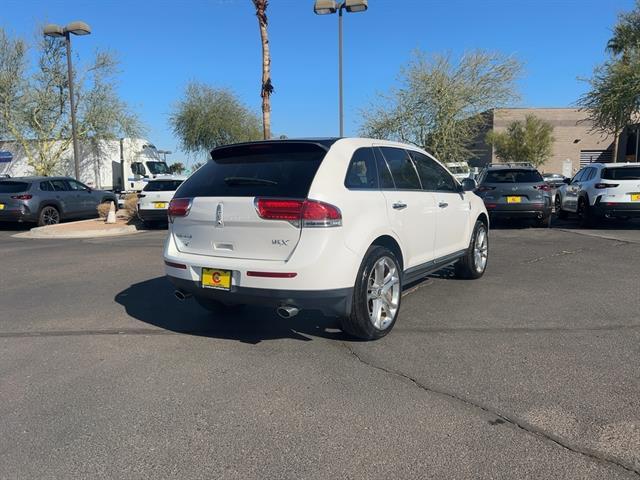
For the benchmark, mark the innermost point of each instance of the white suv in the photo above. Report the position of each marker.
(336, 225)
(601, 190)
(153, 201)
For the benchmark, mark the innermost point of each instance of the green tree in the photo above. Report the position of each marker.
(613, 100)
(34, 101)
(208, 117)
(529, 141)
(439, 104)
(177, 168)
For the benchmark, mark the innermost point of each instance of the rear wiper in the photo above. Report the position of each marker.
(248, 181)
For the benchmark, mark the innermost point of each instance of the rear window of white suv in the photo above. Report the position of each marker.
(621, 173)
(263, 169)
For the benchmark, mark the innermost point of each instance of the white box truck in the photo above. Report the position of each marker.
(122, 166)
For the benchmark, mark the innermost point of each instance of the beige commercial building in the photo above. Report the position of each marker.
(575, 142)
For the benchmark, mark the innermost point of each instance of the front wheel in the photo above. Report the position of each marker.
(544, 221)
(376, 295)
(474, 262)
(562, 215)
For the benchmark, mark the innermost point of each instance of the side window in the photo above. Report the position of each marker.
(138, 168)
(46, 187)
(578, 176)
(433, 176)
(402, 169)
(590, 175)
(384, 175)
(362, 172)
(76, 185)
(60, 185)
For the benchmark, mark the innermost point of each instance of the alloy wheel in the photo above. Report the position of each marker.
(383, 293)
(50, 216)
(480, 250)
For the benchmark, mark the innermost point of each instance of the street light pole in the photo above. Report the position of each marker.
(324, 7)
(77, 28)
(340, 100)
(72, 104)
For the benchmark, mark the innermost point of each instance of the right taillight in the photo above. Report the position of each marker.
(308, 213)
(179, 207)
(606, 185)
(484, 188)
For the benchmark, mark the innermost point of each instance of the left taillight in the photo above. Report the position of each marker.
(179, 207)
(26, 196)
(606, 185)
(308, 213)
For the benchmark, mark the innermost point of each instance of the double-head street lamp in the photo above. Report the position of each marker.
(77, 28)
(326, 7)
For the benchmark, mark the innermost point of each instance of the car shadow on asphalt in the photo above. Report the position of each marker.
(152, 302)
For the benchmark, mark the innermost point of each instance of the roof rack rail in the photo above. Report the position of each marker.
(511, 164)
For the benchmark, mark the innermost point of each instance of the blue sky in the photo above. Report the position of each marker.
(162, 45)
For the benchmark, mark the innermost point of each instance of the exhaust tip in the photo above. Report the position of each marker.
(182, 296)
(287, 311)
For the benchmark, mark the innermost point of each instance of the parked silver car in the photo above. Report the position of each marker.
(48, 200)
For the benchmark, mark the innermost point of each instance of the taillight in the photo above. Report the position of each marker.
(141, 195)
(179, 207)
(484, 188)
(25, 196)
(606, 185)
(308, 213)
(544, 187)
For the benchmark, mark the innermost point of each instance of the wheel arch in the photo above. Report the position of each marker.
(391, 243)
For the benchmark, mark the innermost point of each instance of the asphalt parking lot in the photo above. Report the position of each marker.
(531, 372)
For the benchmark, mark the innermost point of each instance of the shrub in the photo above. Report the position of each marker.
(131, 205)
(103, 209)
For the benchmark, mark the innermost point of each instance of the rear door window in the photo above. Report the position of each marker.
(402, 169)
(275, 169)
(162, 186)
(384, 174)
(13, 187)
(513, 176)
(362, 172)
(60, 185)
(46, 187)
(621, 173)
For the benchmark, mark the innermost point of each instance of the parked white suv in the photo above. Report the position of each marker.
(153, 201)
(336, 225)
(601, 190)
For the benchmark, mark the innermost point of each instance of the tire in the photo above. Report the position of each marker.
(474, 262)
(584, 213)
(544, 222)
(217, 307)
(376, 304)
(48, 215)
(562, 214)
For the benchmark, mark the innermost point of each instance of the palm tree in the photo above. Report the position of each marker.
(267, 86)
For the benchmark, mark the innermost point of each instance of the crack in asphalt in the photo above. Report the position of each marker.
(555, 255)
(503, 417)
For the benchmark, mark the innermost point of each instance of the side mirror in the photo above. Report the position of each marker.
(468, 184)
(567, 181)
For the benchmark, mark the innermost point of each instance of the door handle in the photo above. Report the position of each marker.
(399, 205)
(443, 204)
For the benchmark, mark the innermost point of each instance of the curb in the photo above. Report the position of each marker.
(51, 231)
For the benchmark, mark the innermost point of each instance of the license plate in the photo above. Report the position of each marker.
(635, 197)
(514, 199)
(160, 205)
(1, 206)
(215, 278)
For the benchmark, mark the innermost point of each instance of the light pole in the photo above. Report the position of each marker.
(77, 28)
(326, 7)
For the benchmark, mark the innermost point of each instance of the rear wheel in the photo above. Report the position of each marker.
(48, 216)
(474, 262)
(562, 215)
(377, 295)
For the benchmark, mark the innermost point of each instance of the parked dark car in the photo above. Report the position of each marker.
(48, 200)
(515, 191)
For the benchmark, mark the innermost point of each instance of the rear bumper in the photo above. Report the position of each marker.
(617, 209)
(519, 211)
(155, 215)
(336, 302)
(16, 216)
